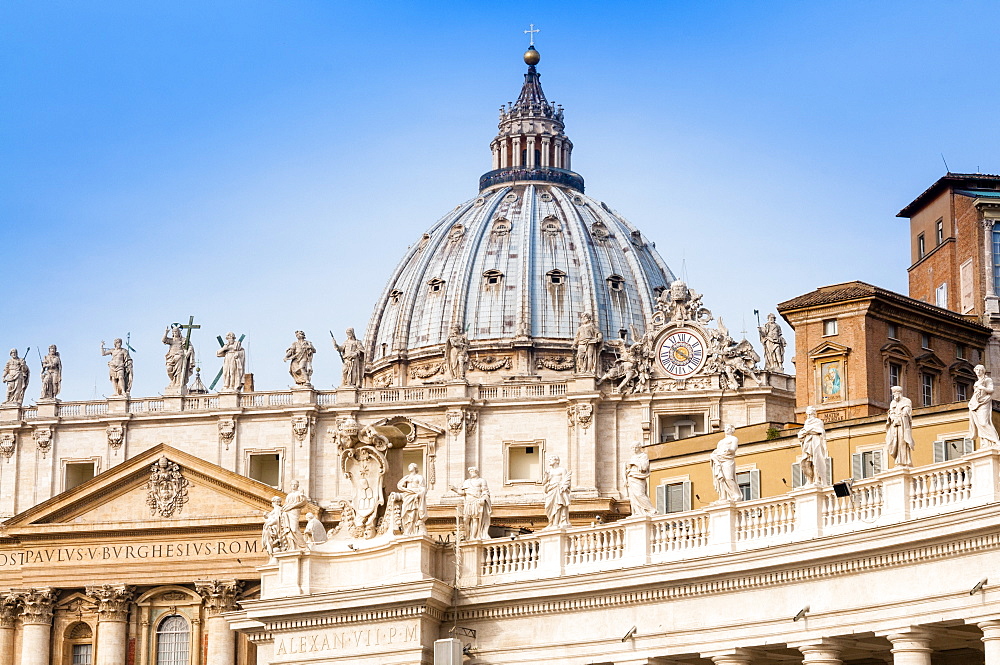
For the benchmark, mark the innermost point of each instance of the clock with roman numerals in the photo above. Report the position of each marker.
(681, 353)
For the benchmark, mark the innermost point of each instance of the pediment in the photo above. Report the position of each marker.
(930, 360)
(121, 495)
(963, 369)
(829, 349)
(896, 350)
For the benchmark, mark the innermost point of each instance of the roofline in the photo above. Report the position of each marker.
(939, 184)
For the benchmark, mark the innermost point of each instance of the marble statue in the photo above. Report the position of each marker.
(556, 484)
(179, 359)
(315, 532)
(290, 511)
(300, 354)
(724, 467)
(477, 507)
(812, 438)
(774, 345)
(233, 363)
(456, 353)
(353, 356)
(899, 428)
(980, 410)
(587, 342)
(636, 475)
(736, 361)
(119, 367)
(272, 537)
(51, 374)
(15, 375)
(633, 367)
(414, 496)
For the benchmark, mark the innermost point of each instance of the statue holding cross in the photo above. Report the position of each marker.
(180, 356)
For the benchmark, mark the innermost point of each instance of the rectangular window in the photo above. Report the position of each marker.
(829, 327)
(996, 260)
(926, 389)
(265, 468)
(941, 296)
(77, 473)
(921, 246)
(524, 461)
(895, 374)
(965, 286)
(673, 428)
(413, 456)
(866, 464)
(960, 351)
(749, 482)
(925, 340)
(82, 654)
(797, 480)
(952, 449)
(673, 497)
(893, 331)
(940, 231)
(961, 391)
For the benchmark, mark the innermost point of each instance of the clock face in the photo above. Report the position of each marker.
(681, 353)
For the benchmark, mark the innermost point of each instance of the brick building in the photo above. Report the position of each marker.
(854, 341)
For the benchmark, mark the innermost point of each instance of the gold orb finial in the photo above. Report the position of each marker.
(531, 56)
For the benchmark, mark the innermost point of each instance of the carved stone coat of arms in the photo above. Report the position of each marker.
(166, 490)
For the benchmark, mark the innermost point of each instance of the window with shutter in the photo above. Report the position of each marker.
(755, 484)
(796, 475)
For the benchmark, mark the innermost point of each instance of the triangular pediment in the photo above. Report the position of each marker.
(829, 349)
(121, 495)
(930, 360)
(896, 351)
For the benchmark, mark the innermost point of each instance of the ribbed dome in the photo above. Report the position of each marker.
(526, 258)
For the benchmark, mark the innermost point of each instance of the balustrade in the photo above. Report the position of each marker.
(941, 485)
(863, 505)
(765, 518)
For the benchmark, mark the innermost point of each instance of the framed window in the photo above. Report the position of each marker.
(77, 472)
(960, 351)
(673, 497)
(941, 296)
(921, 246)
(79, 644)
(951, 449)
(895, 376)
(799, 481)
(524, 461)
(265, 467)
(939, 231)
(961, 391)
(435, 285)
(413, 456)
(616, 283)
(673, 428)
(829, 327)
(866, 463)
(173, 641)
(82, 654)
(749, 482)
(555, 277)
(925, 340)
(926, 389)
(893, 330)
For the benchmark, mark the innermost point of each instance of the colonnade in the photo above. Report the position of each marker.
(31, 611)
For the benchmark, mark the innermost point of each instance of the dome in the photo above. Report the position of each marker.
(521, 262)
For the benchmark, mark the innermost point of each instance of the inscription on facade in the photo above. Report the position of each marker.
(98, 553)
(349, 640)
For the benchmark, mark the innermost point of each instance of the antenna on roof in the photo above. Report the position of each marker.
(947, 170)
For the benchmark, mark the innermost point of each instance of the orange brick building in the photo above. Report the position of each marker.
(853, 341)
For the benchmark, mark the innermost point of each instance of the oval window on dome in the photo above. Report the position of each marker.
(616, 283)
(551, 226)
(436, 285)
(480, 202)
(394, 296)
(578, 200)
(599, 230)
(501, 227)
(456, 233)
(544, 197)
(510, 197)
(555, 277)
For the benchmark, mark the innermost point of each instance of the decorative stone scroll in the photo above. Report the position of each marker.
(116, 435)
(425, 371)
(490, 363)
(580, 414)
(43, 439)
(112, 600)
(227, 431)
(555, 363)
(8, 443)
(219, 595)
(301, 426)
(166, 489)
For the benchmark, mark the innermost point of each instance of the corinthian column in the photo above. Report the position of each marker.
(112, 622)
(36, 625)
(10, 605)
(219, 597)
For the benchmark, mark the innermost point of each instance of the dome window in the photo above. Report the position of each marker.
(493, 277)
(599, 231)
(456, 232)
(616, 283)
(435, 285)
(501, 227)
(551, 226)
(394, 296)
(556, 277)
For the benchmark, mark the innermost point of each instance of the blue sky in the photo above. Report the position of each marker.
(263, 165)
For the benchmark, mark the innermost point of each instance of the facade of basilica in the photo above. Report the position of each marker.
(479, 488)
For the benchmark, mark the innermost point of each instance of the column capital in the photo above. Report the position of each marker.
(737, 656)
(219, 595)
(824, 651)
(10, 607)
(113, 601)
(990, 628)
(37, 605)
(910, 640)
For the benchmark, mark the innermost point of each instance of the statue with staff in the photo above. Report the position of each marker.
(352, 353)
(180, 356)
